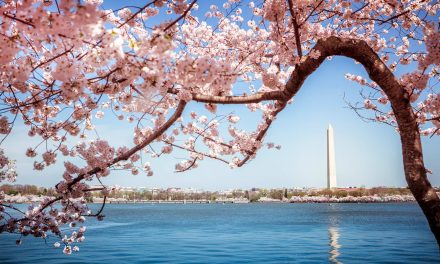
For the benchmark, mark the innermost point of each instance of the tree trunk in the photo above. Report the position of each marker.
(415, 172)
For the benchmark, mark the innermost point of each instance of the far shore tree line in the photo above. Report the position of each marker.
(252, 195)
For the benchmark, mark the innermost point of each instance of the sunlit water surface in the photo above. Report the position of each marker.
(243, 233)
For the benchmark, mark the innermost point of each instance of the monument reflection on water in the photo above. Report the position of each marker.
(333, 233)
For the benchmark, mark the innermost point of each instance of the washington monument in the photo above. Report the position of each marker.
(331, 164)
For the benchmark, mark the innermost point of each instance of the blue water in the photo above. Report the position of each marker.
(243, 233)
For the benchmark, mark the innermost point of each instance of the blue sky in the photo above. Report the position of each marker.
(367, 154)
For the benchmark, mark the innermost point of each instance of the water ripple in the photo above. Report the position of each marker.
(250, 233)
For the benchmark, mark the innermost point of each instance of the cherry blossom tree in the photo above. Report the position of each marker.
(65, 64)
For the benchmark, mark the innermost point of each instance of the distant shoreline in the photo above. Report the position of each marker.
(27, 199)
(175, 195)
(275, 202)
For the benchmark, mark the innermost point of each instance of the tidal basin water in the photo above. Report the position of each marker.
(243, 233)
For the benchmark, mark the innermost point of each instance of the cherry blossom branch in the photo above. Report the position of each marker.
(213, 140)
(138, 147)
(13, 17)
(356, 109)
(181, 16)
(311, 13)
(433, 118)
(193, 162)
(4, 226)
(195, 151)
(122, 157)
(268, 120)
(394, 17)
(100, 210)
(137, 13)
(12, 207)
(246, 99)
(360, 9)
(296, 29)
(52, 59)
